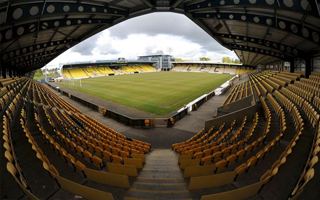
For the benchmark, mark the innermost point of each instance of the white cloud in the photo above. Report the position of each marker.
(142, 44)
(175, 35)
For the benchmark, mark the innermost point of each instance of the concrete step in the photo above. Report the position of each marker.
(160, 179)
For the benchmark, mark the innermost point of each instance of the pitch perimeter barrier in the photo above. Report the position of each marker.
(84, 102)
(201, 101)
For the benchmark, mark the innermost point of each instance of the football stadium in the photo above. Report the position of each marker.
(158, 127)
(173, 89)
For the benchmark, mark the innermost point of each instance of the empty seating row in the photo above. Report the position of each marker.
(259, 88)
(309, 110)
(223, 172)
(307, 86)
(64, 183)
(66, 131)
(12, 164)
(95, 149)
(221, 154)
(218, 179)
(240, 91)
(91, 125)
(279, 111)
(309, 172)
(269, 81)
(206, 137)
(301, 92)
(94, 140)
(251, 189)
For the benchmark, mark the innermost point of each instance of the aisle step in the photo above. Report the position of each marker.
(160, 179)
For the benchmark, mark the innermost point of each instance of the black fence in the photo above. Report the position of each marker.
(125, 119)
(64, 93)
(201, 101)
(176, 117)
(85, 103)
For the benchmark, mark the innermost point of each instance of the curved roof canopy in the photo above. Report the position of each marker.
(34, 32)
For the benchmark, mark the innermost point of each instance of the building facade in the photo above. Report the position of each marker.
(163, 62)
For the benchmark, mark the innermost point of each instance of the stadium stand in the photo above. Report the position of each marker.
(241, 71)
(265, 149)
(211, 159)
(240, 91)
(63, 146)
(92, 71)
(75, 73)
(210, 68)
(243, 157)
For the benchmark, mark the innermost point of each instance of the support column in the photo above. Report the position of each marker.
(309, 66)
(10, 73)
(18, 73)
(15, 73)
(291, 65)
(3, 72)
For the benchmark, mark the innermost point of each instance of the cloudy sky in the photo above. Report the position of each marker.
(168, 33)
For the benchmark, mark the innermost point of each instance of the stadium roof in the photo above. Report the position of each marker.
(155, 55)
(34, 32)
(206, 62)
(108, 63)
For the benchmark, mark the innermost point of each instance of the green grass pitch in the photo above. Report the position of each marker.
(158, 93)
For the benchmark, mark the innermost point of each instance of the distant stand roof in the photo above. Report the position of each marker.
(205, 62)
(106, 63)
(155, 55)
